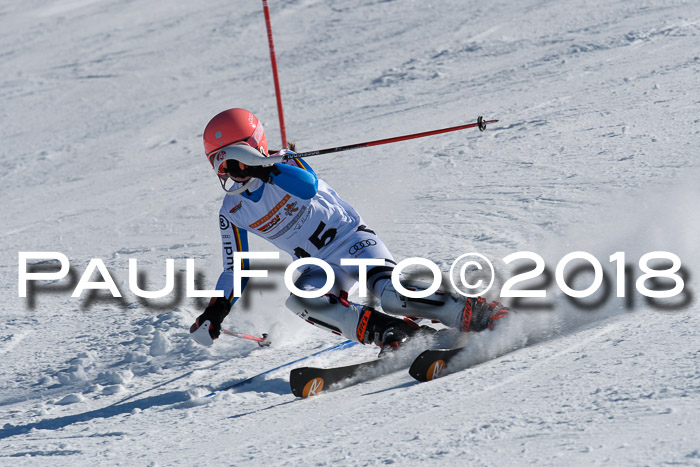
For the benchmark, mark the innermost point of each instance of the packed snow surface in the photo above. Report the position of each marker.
(103, 107)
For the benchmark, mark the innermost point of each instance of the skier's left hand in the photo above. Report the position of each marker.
(215, 314)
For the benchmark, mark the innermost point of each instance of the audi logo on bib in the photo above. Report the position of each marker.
(360, 245)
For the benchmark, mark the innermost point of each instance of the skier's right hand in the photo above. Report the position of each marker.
(215, 313)
(264, 173)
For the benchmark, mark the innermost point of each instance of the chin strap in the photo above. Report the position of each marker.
(238, 190)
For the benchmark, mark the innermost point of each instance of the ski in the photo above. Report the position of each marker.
(309, 381)
(431, 364)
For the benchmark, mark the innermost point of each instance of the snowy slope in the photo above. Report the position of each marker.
(103, 107)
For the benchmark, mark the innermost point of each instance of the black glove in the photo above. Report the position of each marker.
(215, 313)
(256, 171)
(263, 173)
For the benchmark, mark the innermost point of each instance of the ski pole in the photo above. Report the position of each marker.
(273, 62)
(260, 340)
(201, 335)
(480, 123)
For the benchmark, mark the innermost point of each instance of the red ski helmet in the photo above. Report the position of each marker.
(228, 128)
(234, 126)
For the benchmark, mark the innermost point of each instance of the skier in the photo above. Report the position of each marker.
(289, 206)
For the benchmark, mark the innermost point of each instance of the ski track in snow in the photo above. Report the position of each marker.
(10, 342)
(103, 106)
(544, 361)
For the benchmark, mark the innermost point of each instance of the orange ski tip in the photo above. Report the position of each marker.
(312, 388)
(435, 370)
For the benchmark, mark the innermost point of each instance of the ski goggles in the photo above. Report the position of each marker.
(227, 170)
(250, 141)
(232, 168)
(229, 163)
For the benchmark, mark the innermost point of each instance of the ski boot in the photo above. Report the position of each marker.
(478, 316)
(355, 321)
(388, 332)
